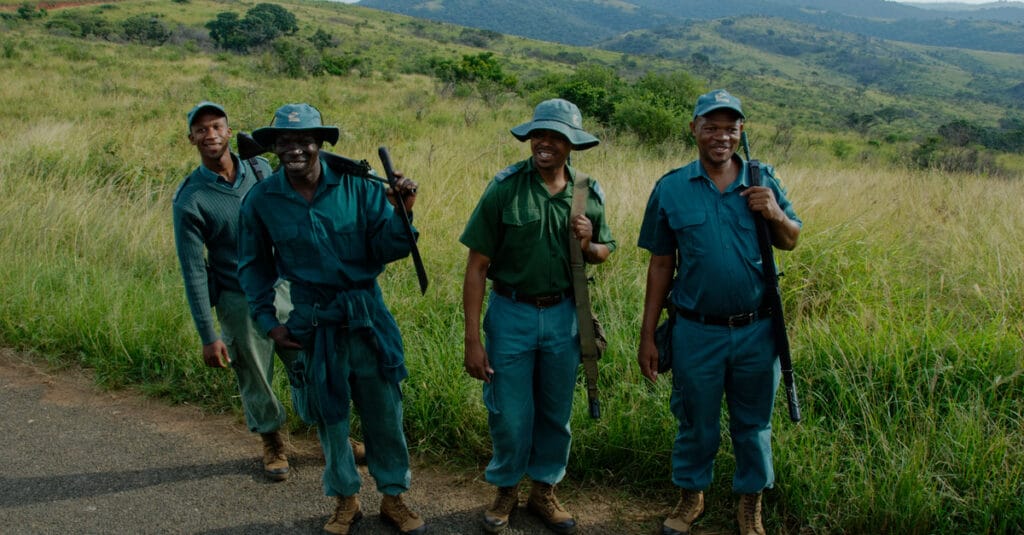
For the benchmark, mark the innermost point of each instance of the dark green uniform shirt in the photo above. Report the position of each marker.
(524, 230)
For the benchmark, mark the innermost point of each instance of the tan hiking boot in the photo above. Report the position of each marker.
(544, 504)
(496, 518)
(748, 514)
(690, 506)
(358, 451)
(394, 511)
(346, 513)
(275, 463)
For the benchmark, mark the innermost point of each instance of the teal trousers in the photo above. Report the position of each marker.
(739, 362)
(379, 404)
(535, 354)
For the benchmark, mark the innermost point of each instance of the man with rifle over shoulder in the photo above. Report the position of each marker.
(706, 214)
(330, 234)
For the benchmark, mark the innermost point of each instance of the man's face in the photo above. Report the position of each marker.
(717, 135)
(210, 134)
(550, 149)
(298, 152)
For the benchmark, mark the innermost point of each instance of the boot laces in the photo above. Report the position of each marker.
(548, 499)
(507, 500)
(399, 511)
(687, 503)
(751, 508)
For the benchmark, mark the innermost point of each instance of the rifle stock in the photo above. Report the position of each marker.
(389, 170)
(773, 295)
(248, 150)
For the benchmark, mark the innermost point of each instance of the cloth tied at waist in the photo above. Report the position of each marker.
(315, 322)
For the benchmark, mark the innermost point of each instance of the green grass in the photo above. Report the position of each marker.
(903, 298)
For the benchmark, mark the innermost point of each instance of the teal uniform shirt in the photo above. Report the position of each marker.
(205, 210)
(340, 241)
(524, 230)
(719, 270)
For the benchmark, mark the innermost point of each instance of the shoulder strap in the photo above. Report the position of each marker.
(584, 315)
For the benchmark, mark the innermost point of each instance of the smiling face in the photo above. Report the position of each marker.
(550, 149)
(210, 134)
(718, 136)
(299, 154)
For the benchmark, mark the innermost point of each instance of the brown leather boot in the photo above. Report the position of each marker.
(275, 463)
(544, 504)
(748, 514)
(690, 506)
(346, 513)
(496, 518)
(358, 451)
(394, 511)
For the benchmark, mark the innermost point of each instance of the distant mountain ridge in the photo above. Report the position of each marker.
(998, 28)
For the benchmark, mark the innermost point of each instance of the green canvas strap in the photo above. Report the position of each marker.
(584, 316)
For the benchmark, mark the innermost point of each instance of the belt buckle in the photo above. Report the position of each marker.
(546, 301)
(739, 320)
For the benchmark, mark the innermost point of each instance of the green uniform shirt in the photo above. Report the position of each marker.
(524, 230)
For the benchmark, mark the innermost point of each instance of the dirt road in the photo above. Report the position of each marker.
(79, 461)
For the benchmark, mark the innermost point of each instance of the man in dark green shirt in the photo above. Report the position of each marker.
(330, 234)
(518, 236)
(206, 238)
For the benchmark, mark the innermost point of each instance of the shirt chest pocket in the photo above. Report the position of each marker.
(692, 234)
(522, 226)
(295, 246)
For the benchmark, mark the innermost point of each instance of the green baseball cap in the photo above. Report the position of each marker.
(296, 118)
(205, 107)
(561, 116)
(718, 99)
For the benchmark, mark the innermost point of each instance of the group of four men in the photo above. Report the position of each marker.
(291, 262)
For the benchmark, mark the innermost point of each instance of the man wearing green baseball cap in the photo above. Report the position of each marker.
(702, 215)
(519, 237)
(205, 210)
(330, 234)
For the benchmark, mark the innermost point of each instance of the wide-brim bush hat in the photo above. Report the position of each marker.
(561, 116)
(205, 107)
(292, 118)
(719, 99)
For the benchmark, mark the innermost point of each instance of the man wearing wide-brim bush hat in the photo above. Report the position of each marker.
(519, 237)
(331, 234)
(292, 118)
(561, 116)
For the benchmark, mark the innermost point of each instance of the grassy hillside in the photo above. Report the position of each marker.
(589, 21)
(904, 296)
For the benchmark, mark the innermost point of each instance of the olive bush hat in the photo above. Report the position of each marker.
(205, 107)
(717, 100)
(561, 116)
(296, 118)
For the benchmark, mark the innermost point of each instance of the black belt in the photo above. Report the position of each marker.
(736, 320)
(539, 301)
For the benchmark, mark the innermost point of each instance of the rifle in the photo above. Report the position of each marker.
(773, 295)
(389, 170)
(250, 148)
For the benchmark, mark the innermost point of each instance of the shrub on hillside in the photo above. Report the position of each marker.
(145, 29)
(261, 25)
(78, 23)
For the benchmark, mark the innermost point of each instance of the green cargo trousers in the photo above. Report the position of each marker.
(252, 359)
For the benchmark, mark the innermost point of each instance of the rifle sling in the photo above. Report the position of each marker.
(584, 316)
